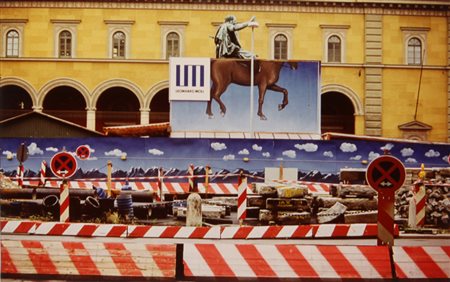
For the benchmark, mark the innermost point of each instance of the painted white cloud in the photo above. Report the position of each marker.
(410, 160)
(115, 153)
(216, 146)
(328, 154)
(445, 158)
(308, 147)
(407, 152)
(155, 152)
(229, 157)
(244, 152)
(33, 149)
(356, 158)
(348, 147)
(266, 154)
(432, 153)
(373, 155)
(290, 154)
(388, 147)
(51, 149)
(9, 154)
(256, 147)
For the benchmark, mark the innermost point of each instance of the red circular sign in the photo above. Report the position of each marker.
(386, 173)
(83, 152)
(63, 165)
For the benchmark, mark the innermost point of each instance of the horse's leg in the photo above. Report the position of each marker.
(220, 90)
(208, 105)
(262, 93)
(277, 88)
(208, 109)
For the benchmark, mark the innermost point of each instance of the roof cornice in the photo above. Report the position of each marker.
(391, 7)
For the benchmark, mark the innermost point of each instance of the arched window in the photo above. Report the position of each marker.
(334, 49)
(12, 44)
(414, 51)
(118, 50)
(65, 44)
(280, 47)
(172, 45)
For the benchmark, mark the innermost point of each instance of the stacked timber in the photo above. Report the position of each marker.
(349, 204)
(281, 204)
(437, 210)
(7, 183)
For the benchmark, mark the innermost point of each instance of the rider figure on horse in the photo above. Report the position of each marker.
(227, 43)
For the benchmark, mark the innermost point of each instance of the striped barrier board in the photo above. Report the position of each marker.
(286, 261)
(81, 229)
(267, 232)
(214, 232)
(186, 232)
(17, 227)
(431, 262)
(91, 259)
(168, 187)
(172, 187)
(348, 230)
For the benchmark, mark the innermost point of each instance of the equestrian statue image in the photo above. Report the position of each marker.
(232, 65)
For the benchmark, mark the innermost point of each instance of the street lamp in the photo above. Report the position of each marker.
(252, 24)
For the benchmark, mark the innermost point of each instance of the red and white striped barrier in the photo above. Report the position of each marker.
(64, 203)
(187, 232)
(152, 187)
(286, 261)
(42, 173)
(432, 262)
(92, 259)
(17, 227)
(420, 198)
(20, 173)
(81, 229)
(242, 198)
(348, 230)
(215, 232)
(302, 231)
(267, 232)
(168, 187)
(191, 178)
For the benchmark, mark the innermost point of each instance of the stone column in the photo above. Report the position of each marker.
(145, 116)
(90, 118)
(37, 109)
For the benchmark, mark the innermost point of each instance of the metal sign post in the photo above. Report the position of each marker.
(386, 174)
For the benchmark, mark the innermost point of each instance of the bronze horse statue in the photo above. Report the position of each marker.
(227, 71)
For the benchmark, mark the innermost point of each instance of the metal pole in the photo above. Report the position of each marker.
(252, 78)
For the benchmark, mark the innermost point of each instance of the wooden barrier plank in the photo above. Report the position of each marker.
(87, 259)
(286, 261)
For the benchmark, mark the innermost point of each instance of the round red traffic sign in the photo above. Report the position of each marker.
(83, 152)
(386, 173)
(63, 165)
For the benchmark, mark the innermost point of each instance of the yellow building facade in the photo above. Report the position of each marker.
(392, 61)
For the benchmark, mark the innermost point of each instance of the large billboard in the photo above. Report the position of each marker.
(285, 98)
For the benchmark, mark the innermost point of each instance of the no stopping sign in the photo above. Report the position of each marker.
(63, 165)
